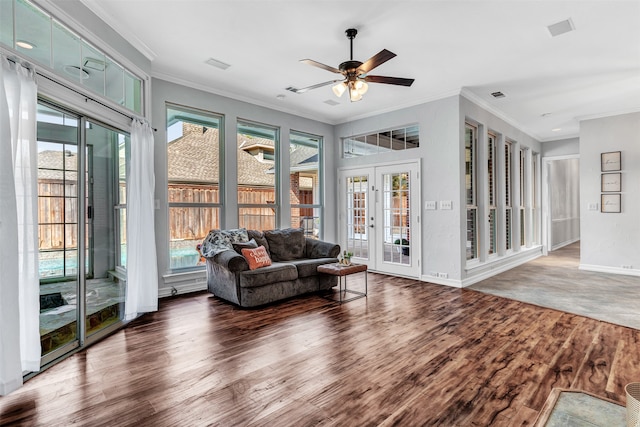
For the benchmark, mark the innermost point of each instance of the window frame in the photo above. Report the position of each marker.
(471, 192)
(276, 206)
(219, 205)
(317, 207)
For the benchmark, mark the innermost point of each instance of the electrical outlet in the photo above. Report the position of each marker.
(434, 274)
(592, 206)
(626, 266)
(443, 275)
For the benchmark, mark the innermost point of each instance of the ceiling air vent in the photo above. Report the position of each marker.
(331, 102)
(292, 89)
(498, 94)
(561, 27)
(217, 64)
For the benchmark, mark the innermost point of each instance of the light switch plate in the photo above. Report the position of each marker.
(592, 206)
(430, 205)
(446, 204)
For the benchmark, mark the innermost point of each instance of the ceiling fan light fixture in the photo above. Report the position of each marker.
(361, 86)
(354, 95)
(339, 89)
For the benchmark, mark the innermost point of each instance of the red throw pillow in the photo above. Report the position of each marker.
(256, 257)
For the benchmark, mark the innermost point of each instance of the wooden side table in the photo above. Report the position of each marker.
(343, 271)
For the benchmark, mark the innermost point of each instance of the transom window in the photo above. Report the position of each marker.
(403, 138)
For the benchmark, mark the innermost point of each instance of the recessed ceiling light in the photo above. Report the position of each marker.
(280, 97)
(75, 71)
(556, 130)
(561, 27)
(218, 64)
(498, 94)
(25, 44)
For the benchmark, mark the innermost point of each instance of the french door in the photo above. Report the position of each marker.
(81, 190)
(379, 219)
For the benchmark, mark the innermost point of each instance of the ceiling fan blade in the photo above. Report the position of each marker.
(321, 65)
(305, 89)
(389, 80)
(378, 59)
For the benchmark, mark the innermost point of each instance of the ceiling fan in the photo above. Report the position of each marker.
(355, 73)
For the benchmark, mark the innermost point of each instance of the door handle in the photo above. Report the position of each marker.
(371, 226)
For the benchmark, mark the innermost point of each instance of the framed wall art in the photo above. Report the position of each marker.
(610, 161)
(610, 203)
(611, 182)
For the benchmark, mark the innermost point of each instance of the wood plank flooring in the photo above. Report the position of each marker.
(410, 354)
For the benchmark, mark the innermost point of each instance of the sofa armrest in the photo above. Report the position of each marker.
(320, 249)
(231, 260)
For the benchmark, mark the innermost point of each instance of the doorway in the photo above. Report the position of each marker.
(81, 191)
(379, 221)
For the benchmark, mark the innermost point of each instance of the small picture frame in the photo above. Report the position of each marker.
(610, 161)
(611, 182)
(610, 203)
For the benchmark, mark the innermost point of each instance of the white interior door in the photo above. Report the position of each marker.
(379, 219)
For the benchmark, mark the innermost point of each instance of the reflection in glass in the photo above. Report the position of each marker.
(33, 28)
(6, 23)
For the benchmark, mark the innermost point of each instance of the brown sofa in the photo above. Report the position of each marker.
(293, 271)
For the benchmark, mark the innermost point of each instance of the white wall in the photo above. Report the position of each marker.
(163, 92)
(561, 147)
(610, 241)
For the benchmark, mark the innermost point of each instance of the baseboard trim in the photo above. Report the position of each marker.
(453, 283)
(563, 244)
(184, 288)
(495, 268)
(608, 269)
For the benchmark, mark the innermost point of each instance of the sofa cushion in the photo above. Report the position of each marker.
(257, 257)
(286, 244)
(276, 272)
(320, 249)
(258, 236)
(239, 246)
(222, 240)
(308, 267)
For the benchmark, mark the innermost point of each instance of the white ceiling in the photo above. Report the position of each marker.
(475, 46)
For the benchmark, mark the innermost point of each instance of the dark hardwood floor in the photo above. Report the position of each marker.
(410, 354)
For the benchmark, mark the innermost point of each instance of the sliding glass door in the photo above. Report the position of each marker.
(80, 227)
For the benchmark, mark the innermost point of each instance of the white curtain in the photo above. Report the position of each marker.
(19, 279)
(142, 270)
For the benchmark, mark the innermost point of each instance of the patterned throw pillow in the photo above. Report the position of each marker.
(256, 257)
(222, 240)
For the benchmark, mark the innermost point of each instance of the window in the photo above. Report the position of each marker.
(491, 180)
(305, 191)
(470, 175)
(258, 195)
(47, 41)
(535, 211)
(508, 211)
(194, 160)
(380, 142)
(523, 196)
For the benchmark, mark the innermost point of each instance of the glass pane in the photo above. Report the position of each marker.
(493, 232)
(114, 82)
(122, 227)
(93, 68)
(6, 23)
(105, 293)
(132, 92)
(66, 53)
(469, 142)
(307, 219)
(395, 218)
(472, 236)
(257, 218)
(33, 32)
(188, 227)
(357, 210)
